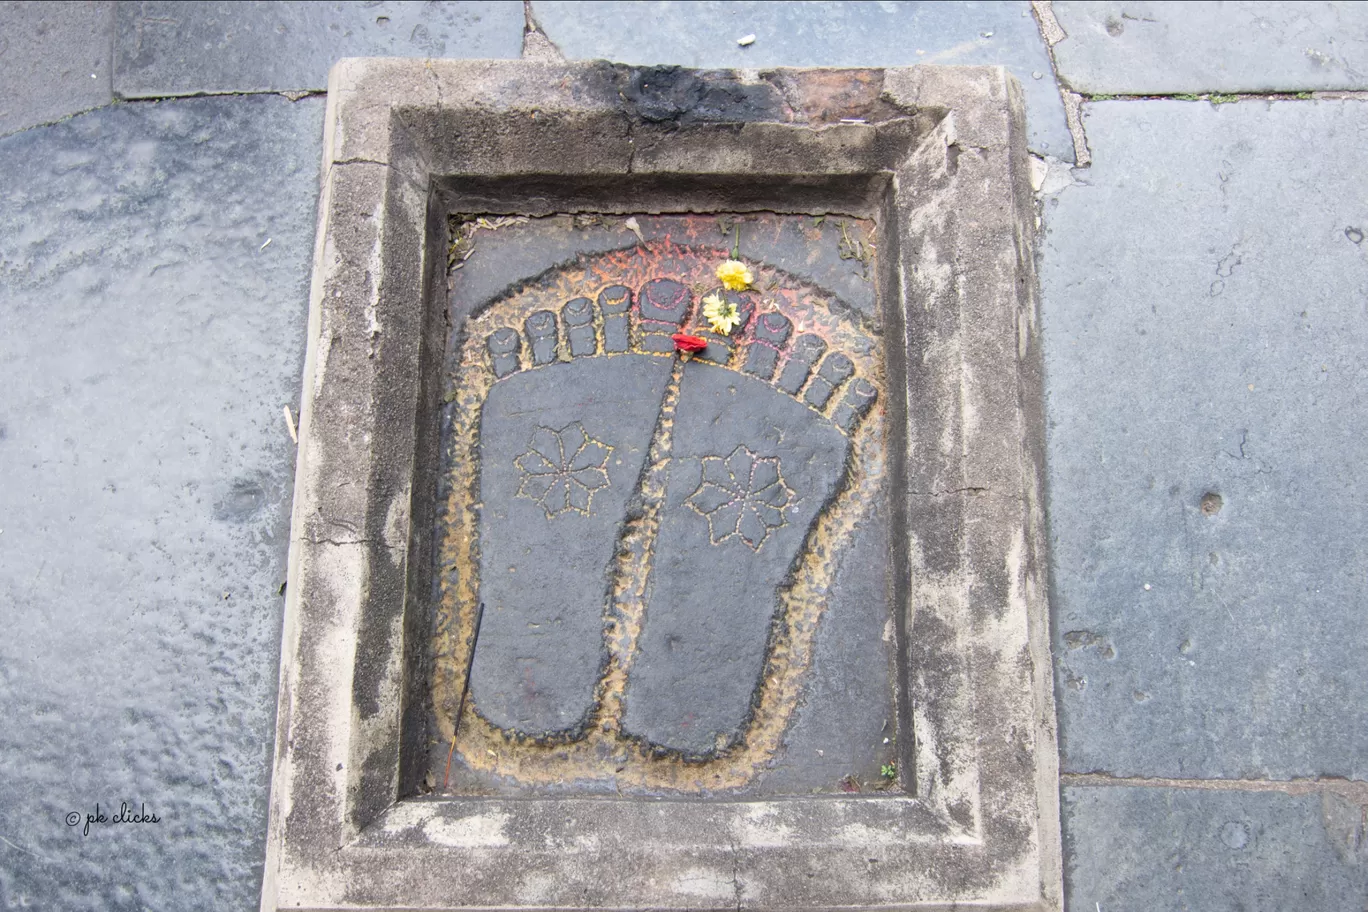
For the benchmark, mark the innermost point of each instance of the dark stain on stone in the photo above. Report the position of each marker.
(672, 94)
(375, 791)
(1082, 639)
(244, 499)
(952, 154)
(962, 812)
(385, 597)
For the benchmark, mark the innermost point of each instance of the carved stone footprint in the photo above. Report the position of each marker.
(755, 451)
(562, 447)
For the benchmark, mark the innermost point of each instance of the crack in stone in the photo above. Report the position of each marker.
(1051, 32)
(738, 890)
(536, 44)
(1351, 788)
(951, 492)
(314, 540)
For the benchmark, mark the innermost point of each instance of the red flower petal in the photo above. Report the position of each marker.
(689, 343)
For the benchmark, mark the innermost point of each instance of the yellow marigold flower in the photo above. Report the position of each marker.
(734, 275)
(722, 315)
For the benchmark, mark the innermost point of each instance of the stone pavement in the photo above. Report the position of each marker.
(1205, 287)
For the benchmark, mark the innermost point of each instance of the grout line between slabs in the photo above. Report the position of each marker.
(1349, 788)
(1220, 98)
(537, 45)
(1052, 33)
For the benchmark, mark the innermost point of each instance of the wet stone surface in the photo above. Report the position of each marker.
(154, 264)
(173, 47)
(655, 537)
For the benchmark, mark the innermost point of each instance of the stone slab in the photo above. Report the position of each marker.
(705, 34)
(1146, 47)
(1151, 849)
(54, 61)
(973, 817)
(153, 280)
(187, 47)
(844, 726)
(714, 472)
(1205, 288)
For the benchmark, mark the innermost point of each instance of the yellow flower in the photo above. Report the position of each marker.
(722, 315)
(734, 275)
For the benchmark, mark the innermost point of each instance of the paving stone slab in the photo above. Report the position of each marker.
(153, 286)
(1147, 849)
(1205, 288)
(1143, 48)
(705, 34)
(54, 61)
(187, 47)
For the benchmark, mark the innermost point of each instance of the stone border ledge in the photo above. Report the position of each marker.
(938, 155)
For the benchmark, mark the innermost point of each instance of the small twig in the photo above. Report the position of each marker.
(290, 425)
(460, 705)
(22, 849)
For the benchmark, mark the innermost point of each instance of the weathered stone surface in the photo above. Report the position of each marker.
(809, 249)
(750, 469)
(1204, 330)
(174, 47)
(704, 34)
(54, 61)
(1172, 850)
(970, 819)
(734, 641)
(153, 279)
(623, 626)
(662, 304)
(561, 450)
(1141, 48)
(807, 350)
(845, 728)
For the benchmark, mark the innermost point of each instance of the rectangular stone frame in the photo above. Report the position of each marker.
(939, 156)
